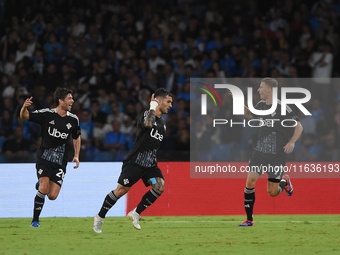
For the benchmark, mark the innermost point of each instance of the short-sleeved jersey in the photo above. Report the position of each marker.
(56, 132)
(273, 136)
(148, 141)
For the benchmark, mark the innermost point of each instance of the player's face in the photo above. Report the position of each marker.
(166, 104)
(264, 91)
(67, 103)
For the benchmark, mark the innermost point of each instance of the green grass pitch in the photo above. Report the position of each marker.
(272, 234)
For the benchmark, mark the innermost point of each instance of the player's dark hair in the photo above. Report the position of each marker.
(61, 93)
(162, 92)
(270, 82)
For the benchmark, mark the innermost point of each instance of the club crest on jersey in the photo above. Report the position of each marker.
(55, 133)
(154, 133)
(68, 125)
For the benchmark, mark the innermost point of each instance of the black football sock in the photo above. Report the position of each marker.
(109, 201)
(39, 201)
(249, 201)
(148, 199)
(282, 185)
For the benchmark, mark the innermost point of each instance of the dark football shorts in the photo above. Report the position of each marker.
(131, 174)
(273, 165)
(53, 171)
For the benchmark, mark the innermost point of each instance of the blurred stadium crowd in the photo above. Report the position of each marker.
(113, 54)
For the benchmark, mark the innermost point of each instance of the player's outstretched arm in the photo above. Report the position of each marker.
(151, 118)
(289, 147)
(24, 114)
(76, 144)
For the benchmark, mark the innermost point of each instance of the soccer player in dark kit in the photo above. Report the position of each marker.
(141, 162)
(273, 143)
(57, 126)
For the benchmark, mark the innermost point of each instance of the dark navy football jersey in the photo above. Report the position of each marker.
(56, 133)
(148, 140)
(273, 136)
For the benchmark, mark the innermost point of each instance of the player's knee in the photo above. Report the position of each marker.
(250, 184)
(52, 196)
(272, 193)
(44, 188)
(159, 186)
(160, 190)
(121, 191)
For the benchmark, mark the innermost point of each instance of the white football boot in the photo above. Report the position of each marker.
(97, 224)
(134, 216)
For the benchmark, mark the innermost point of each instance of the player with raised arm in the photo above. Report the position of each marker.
(141, 162)
(273, 143)
(57, 125)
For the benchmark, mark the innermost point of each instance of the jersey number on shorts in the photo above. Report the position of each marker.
(61, 174)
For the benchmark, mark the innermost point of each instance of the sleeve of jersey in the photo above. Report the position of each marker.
(76, 132)
(292, 115)
(37, 117)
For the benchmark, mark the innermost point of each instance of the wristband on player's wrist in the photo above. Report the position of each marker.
(153, 105)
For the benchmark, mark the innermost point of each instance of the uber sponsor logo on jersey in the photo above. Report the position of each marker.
(55, 133)
(156, 135)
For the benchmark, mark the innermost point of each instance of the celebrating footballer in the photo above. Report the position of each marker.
(141, 161)
(57, 126)
(273, 143)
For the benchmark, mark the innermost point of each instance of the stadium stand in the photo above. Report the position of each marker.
(113, 54)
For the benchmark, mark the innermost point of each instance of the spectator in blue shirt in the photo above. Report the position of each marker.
(234, 62)
(307, 150)
(53, 49)
(156, 39)
(316, 109)
(86, 123)
(115, 140)
(216, 43)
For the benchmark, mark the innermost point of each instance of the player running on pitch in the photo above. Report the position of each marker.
(273, 143)
(57, 125)
(141, 162)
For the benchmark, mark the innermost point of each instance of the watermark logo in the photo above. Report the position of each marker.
(204, 97)
(301, 96)
(238, 99)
